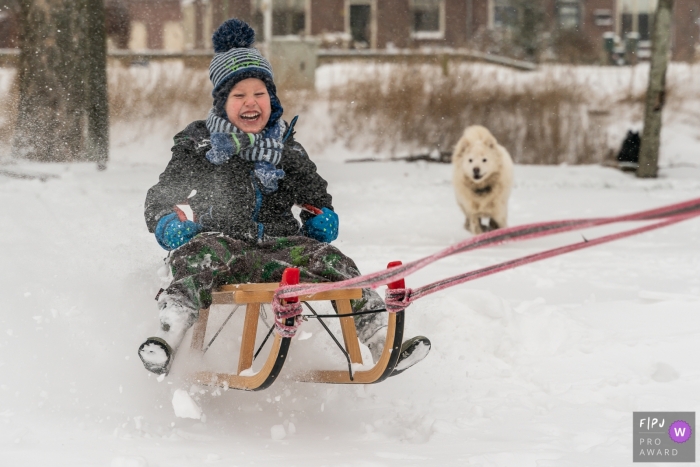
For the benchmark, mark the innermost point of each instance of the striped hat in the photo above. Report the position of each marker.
(235, 59)
(234, 54)
(237, 62)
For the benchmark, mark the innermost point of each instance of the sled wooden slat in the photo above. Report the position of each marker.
(250, 330)
(379, 372)
(347, 325)
(225, 297)
(266, 286)
(199, 330)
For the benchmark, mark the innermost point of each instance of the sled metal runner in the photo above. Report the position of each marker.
(254, 296)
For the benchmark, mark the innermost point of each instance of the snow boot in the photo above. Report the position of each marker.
(371, 328)
(412, 351)
(156, 355)
(375, 343)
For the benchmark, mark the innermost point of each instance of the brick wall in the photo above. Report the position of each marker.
(592, 33)
(154, 14)
(589, 27)
(240, 9)
(8, 26)
(327, 16)
(686, 26)
(393, 23)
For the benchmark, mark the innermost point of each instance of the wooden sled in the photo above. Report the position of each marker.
(253, 296)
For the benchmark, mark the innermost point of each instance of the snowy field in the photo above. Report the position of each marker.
(541, 366)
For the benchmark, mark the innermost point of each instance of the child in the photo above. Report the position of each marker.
(239, 173)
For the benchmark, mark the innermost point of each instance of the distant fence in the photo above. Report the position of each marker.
(201, 58)
(437, 56)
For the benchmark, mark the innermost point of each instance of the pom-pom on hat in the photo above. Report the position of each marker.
(235, 59)
(232, 34)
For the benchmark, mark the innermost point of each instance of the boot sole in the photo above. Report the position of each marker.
(412, 351)
(157, 368)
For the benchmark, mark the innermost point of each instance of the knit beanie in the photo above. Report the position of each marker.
(235, 59)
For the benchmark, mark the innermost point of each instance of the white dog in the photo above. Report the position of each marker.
(482, 178)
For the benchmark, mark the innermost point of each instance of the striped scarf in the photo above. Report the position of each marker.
(227, 140)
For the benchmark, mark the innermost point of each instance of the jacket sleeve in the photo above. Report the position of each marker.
(308, 187)
(174, 184)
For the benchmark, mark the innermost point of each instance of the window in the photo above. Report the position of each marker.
(288, 18)
(505, 14)
(644, 26)
(641, 6)
(637, 16)
(360, 25)
(428, 19)
(603, 17)
(569, 14)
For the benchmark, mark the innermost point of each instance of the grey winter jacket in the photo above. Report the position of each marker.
(227, 199)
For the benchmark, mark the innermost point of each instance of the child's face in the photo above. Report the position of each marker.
(248, 105)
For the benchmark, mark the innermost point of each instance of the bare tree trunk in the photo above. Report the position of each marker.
(96, 99)
(59, 76)
(48, 121)
(656, 92)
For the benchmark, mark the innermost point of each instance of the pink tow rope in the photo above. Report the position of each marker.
(398, 298)
(487, 271)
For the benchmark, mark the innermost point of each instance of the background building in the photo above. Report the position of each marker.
(179, 25)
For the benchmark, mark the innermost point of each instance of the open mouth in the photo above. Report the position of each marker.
(250, 116)
(478, 176)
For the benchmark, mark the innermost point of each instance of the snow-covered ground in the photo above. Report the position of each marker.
(537, 366)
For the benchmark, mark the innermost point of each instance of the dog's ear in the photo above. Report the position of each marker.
(463, 146)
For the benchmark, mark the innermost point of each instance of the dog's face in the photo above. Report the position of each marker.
(478, 159)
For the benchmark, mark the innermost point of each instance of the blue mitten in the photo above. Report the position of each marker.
(172, 233)
(221, 148)
(268, 176)
(322, 227)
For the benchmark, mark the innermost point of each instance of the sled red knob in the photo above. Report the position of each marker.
(290, 276)
(399, 284)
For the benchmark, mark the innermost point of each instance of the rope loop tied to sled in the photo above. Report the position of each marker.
(287, 311)
(284, 311)
(397, 299)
